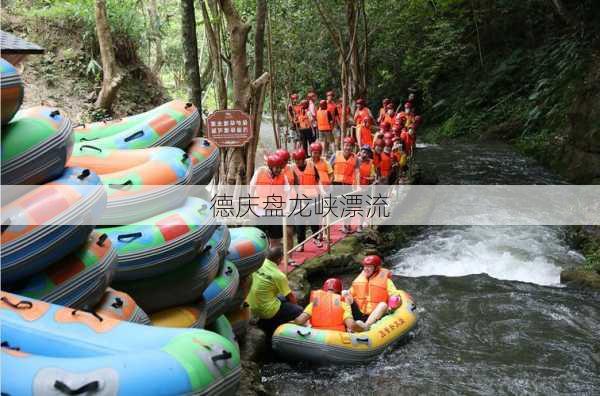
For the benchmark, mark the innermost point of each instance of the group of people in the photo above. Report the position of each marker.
(371, 296)
(367, 156)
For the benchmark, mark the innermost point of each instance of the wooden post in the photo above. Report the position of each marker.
(285, 246)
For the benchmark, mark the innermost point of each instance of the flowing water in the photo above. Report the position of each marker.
(493, 317)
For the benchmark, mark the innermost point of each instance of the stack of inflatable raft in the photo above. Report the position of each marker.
(98, 221)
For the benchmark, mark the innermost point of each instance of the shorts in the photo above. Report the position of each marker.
(323, 135)
(287, 312)
(357, 314)
(273, 231)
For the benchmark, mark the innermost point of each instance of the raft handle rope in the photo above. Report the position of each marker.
(129, 237)
(136, 135)
(23, 304)
(226, 355)
(228, 271)
(64, 388)
(205, 143)
(300, 333)
(188, 105)
(118, 303)
(363, 340)
(94, 314)
(101, 240)
(122, 186)
(6, 345)
(54, 113)
(5, 225)
(89, 146)
(84, 173)
(184, 157)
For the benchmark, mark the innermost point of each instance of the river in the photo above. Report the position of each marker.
(493, 317)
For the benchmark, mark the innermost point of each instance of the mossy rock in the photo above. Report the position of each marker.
(581, 278)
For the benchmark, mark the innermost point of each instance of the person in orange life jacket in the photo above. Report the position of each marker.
(409, 114)
(362, 112)
(399, 156)
(370, 292)
(387, 175)
(332, 108)
(366, 169)
(324, 169)
(396, 130)
(270, 298)
(309, 186)
(345, 169)
(382, 110)
(389, 116)
(406, 141)
(327, 310)
(412, 140)
(292, 181)
(269, 180)
(400, 120)
(364, 134)
(325, 124)
(305, 131)
(311, 96)
(293, 110)
(377, 150)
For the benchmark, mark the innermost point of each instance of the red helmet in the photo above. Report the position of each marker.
(386, 101)
(389, 106)
(395, 128)
(388, 142)
(408, 104)
(284, 154)
(372, 260)
(379, 143)
(361, 101)
(299, 154)
(330, 93)
(349, 140)
(316, 146)
(274, 160)
(323, 104)
(311, 94)
(304, 104)
(334, 284)
(384, 126)
(294, 96)
(388, 135)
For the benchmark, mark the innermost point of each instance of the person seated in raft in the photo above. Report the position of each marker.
(327, 310)
(370, 291)
(270, 298)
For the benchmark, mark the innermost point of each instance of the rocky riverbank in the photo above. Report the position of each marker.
(587, 240)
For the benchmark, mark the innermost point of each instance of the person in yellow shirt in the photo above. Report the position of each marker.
(327, 310)
(270, 298)
(370, 291)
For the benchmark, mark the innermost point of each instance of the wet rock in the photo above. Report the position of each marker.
(252, 353)
(581, 278)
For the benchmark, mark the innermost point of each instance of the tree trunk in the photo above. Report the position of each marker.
(156, 37)
(214, 49)
(190, 53)
(355, 75)
(112, 77)
(259, 37)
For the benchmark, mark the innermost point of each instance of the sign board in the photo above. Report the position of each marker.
(229, 128)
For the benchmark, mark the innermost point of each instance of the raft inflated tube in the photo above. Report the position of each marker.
(80, 279)
(118, 305)
(35, 146)
(182, 317)
(205, 160)
(220, 292)
(220, 240)
(49, 222)
(240, 295)
(248, 249)
(74, 352)
(11, 91)
(139, 183)
(173, 124)
(222, 327)
(298, 343)
(162, 243)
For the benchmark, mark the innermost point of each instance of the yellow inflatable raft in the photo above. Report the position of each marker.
(298, 343)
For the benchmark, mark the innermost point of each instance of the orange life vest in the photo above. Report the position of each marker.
(362, 114)
(327, 311)
(365, 172)
(366, 137)
(388, 119)
(322, 169)
(343, 169)
(376, 159)
(307, 180)
(386, 164)
(323, 121)
(297, 108)
(303, 120)
(333, 110)
(368, 293)
(267, 185)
